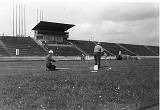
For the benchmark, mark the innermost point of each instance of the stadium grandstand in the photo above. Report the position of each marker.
(49, 31)
(54, 36)
(26, 46)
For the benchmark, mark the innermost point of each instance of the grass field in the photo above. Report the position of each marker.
(128, 85)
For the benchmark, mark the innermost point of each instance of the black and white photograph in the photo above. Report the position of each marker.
(79, 55)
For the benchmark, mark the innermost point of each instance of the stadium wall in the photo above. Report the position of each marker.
(64, 58)
(38, 58)
(30, 47)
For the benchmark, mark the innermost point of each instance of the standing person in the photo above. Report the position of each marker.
(119, 56)
(98, 50)
(105, 55)
(83, 57)
(49, 61)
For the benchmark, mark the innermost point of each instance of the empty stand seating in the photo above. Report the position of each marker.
(64, 50)
(86, 46)
(154, 48)
(114, 48)
(3, 51)
(61, 43)
(139, 50)
(26, 46)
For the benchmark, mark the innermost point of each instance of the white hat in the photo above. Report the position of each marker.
(98, 43)
(50, 51)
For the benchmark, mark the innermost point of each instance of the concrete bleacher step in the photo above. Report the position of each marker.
(140, 50)
(65, 50)
(27, 46)
(86, 46)
(3, 52)
(155, 49)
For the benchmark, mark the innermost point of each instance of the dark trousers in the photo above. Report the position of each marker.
(51, 67)
(83, 59)
(97, 58)
(119, 57)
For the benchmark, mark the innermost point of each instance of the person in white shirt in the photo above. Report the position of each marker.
(98, 51)
(49, 61)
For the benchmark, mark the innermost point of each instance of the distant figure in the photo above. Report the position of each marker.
(98, 51)
(49, 61)
(44, 43)
(83, 57)
(119, 56)
(105, 55)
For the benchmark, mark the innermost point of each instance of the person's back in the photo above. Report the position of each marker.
(98, 48)
(98, 51)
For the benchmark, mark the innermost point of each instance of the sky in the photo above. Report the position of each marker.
(98, 20)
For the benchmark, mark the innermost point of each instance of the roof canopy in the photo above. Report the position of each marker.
(51, 26)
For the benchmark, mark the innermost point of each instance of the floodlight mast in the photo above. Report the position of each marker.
(16, 19)
(24, 20)
(19, 20)
(13, 18)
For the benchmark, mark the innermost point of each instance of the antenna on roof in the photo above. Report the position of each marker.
(37, 16)
(41, 15)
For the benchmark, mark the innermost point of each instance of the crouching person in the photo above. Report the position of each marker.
(49, 61)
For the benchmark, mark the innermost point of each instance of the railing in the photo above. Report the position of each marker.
(126, 49)
(80, 49)
(150, 50)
